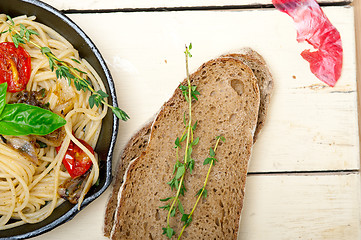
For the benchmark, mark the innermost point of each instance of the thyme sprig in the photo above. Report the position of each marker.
(180, 167)
(62, 69)
(211, 160)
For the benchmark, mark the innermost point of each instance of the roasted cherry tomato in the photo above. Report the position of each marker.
(76, 161)
(15, 66)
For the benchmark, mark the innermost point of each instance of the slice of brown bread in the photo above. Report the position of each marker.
(139, 141)
(228, 106)
(136, 145)
(264, 80)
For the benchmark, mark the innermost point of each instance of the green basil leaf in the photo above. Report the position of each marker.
(3, 88)
(23, 119)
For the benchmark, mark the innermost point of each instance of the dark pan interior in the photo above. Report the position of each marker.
(62, 24)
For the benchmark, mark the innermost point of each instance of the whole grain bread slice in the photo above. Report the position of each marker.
(133, 149)
(137, 144)
(228, 106)
(264, 80)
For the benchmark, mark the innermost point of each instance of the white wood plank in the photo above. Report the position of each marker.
(116, 4)
(146, 61)
(302, 207)
(310, 127)
(276, 208)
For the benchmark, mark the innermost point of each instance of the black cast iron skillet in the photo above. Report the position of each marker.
(68, 29)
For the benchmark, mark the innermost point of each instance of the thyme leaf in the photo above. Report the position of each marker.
(168, 231)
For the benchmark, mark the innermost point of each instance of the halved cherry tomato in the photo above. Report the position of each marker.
(76, 161)
(15, 66)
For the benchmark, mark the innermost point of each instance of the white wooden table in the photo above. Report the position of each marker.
(304, 180)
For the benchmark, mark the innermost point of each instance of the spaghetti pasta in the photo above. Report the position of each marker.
(29, 190)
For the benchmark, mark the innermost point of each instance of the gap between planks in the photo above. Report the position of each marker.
(194, 8)
(306, 173)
